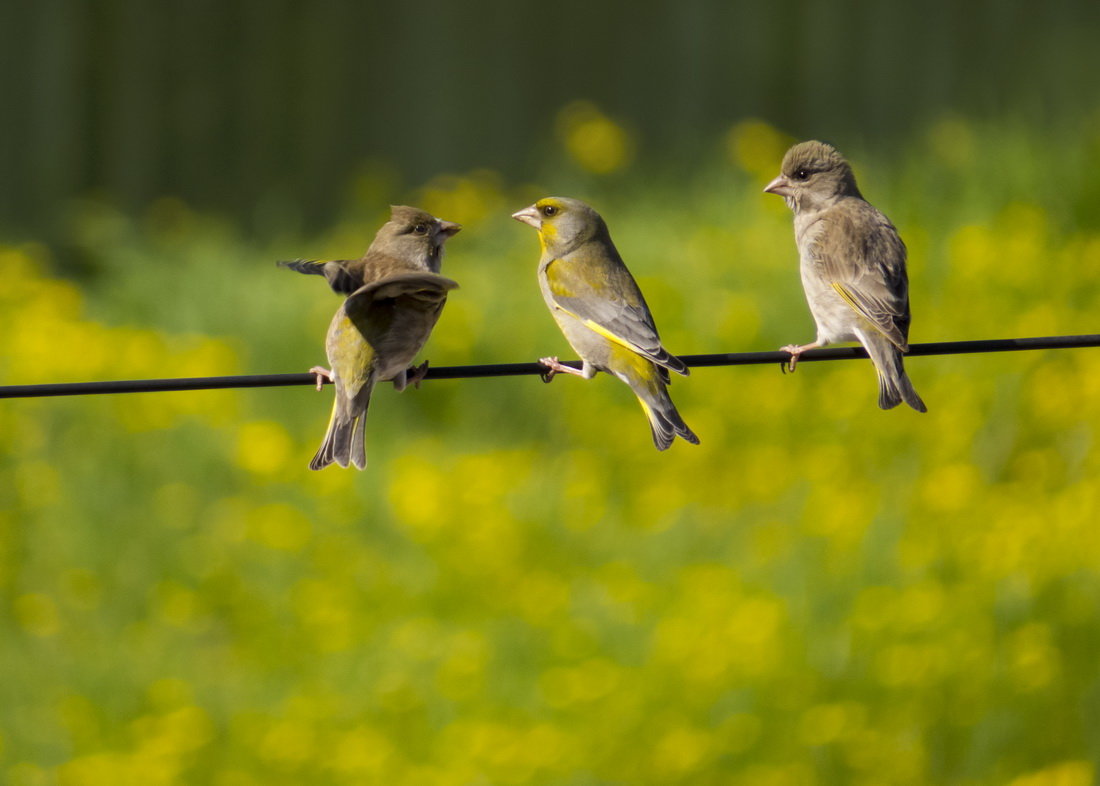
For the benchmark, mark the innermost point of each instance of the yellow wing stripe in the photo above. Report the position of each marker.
(596, 327)
(844, 293)
(847, 296)
(588, 323)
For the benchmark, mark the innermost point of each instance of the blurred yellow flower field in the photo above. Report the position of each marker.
(519, 589)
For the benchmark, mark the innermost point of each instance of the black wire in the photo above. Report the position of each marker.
(527, 369)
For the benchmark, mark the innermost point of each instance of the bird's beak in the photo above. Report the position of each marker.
(529, 216)
(781, 186)
(449, 228)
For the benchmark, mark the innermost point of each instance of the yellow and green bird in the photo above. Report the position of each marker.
(600, 309)
(382, 325)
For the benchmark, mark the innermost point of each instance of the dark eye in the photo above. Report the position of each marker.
(549, 210)
(801, 174)
(421, 229)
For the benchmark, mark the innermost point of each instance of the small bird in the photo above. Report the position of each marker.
(377, 331)
(853, 266)
(601, 311)
(399, 238)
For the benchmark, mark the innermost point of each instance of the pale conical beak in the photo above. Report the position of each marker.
(529, 215)
(781, 186)
(449, 228)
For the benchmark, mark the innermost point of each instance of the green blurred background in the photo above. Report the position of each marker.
(519, 589)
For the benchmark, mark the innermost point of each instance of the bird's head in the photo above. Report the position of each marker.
(812, 176)
(415, 234)
(563, 224)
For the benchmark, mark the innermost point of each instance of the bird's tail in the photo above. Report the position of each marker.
(345, 440)
(894, 386)
(664, 419)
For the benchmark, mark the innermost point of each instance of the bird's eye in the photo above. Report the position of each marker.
(549, 210)
(420, 229)
(801, 174)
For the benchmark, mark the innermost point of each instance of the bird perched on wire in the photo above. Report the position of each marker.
(601, 311)
(853, 266)
(393, 241)
(397, 296)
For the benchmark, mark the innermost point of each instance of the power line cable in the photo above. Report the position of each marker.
(527, 369)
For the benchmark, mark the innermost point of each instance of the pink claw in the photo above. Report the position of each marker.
(322, 374)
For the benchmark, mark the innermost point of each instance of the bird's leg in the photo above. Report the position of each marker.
(796, 351)
(413, 374)
(416, 374)
(322, 374)
(554, 367)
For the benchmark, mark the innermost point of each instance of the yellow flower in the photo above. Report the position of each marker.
(757, 148)
(263, 447)
(595, 141)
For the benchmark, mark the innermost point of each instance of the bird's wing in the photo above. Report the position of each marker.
(374, 307)
(607, 300)
(863, 258)
(422, 286)
(367, 332)
(339, 272)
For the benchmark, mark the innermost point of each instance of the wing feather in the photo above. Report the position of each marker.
(863, 258)
(419, 285)
(341, 274)
(610, 303)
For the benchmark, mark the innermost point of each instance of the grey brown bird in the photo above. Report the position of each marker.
(600, 309)
(382, 325)
(852, 263)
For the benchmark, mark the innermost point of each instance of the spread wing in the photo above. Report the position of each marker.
(607, 300)
(419, 286)
(392, 318)
(863, 258)
(341, 276)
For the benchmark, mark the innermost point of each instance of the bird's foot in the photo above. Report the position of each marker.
(791, 362)
(415, 375)
(322, 374)
(795, 351)
(553, 368)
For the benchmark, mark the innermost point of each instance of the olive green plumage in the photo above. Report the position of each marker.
(853, 265)
(395, 299)
(600, 309)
